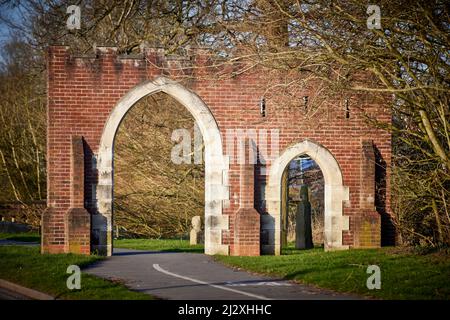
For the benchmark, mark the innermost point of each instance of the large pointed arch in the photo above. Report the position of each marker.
(335, 194)
(216, 165)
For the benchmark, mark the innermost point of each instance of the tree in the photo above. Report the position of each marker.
(312, 42)
(155, 197)
(407, 58)
(22, 133)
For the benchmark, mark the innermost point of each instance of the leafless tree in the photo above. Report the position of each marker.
(326, 45)
(155, 197)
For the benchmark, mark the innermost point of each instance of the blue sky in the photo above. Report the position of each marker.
(305, 163)
(9, 13)
(5, 32)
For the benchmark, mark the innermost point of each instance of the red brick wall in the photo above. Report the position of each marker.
(82, 91)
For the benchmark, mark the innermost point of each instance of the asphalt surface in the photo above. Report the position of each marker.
(7, 242)
(11, 295)
(190, 276)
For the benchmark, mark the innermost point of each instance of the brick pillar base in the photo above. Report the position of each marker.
(78, 222)
(247, 233)
(367, 230)
(50, 241)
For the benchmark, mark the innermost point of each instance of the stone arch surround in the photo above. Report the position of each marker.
(335, 194)
(216, 164)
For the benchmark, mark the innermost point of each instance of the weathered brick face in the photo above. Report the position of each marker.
(82, 92)
(246, 219)
(368, 222)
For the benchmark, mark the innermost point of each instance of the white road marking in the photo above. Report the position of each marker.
(158, 268)
(262, 283)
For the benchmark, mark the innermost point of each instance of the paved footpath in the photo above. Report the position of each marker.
(192, 276)
(7, 242)
(6, 294)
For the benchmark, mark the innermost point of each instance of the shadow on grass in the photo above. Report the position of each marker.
(22, 237)
(158, 245)
(138, 251)
(294, 275)
(187, 250)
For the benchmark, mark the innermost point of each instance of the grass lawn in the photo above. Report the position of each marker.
(404, 274)
(25, 236)
(47, 273)
(163, 245)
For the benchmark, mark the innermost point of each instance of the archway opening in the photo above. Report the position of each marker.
(335, 194)
(302, 205)
(215, 163)
(158, 186)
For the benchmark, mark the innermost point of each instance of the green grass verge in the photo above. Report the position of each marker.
(163, 245)
(404, 275)
(47, 273)
(24, 236)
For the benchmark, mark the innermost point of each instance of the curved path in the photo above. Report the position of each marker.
(6, 294)
(192, 276)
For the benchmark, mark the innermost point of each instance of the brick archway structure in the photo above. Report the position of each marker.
(216, 164)
(89, 95)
